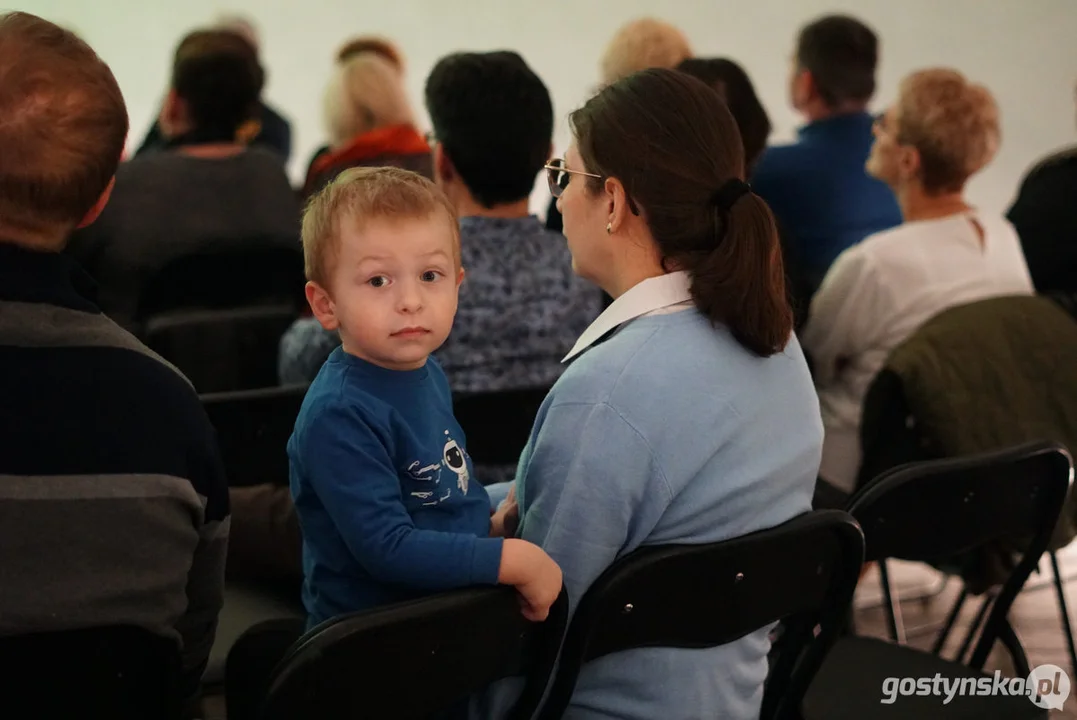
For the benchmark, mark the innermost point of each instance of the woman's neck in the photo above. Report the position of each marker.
(919, 205)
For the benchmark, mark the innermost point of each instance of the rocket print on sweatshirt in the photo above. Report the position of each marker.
(454, 458)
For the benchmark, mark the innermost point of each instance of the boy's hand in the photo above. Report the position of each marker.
(534, 574)
(506, 520)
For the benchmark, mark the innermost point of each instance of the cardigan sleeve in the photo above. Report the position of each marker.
(588, 482)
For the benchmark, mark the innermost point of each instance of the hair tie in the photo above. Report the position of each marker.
(729, 193)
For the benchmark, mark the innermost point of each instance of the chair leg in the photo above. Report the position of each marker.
(1064, 612)
(1010, 641)
(893, 606)
(977, 621)
(950, 620)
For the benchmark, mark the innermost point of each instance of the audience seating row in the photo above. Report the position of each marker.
(802, 574)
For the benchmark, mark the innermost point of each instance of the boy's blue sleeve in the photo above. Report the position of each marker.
(350, 470)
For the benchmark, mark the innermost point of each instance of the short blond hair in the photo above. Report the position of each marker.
(365, 92)
(641, 44)
(362, 194)
(954, 124)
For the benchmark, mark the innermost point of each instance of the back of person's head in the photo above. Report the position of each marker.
(641, 44)
(240, 25)
(365, 92)
(673, 144)
(63, 125)
(217, 76)
(373, 44)
(952, 123)
(841, 53)
(361, 195)
(733, 84)
(493, 117)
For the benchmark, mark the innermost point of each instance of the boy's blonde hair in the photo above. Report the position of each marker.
(362, 194)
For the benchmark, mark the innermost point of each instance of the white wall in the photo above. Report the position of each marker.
(1024, 50)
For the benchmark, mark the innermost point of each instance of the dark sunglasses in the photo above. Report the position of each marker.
(558, 176)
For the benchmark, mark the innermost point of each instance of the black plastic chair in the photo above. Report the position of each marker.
(253, 427)
(118, 673)
(498, 424)
(413, 660)
(694, 596)
(260, 273)
(926, 512)
(220, 350)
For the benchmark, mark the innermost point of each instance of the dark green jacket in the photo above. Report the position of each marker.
(976, 378)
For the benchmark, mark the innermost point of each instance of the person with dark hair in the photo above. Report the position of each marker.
(207, 190)
(817, 187)
(665, 427)
(735, 87)
(521, 307)
(1045, 218)
(268, 129)
(113, 500)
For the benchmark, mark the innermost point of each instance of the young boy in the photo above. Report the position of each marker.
(383, 486)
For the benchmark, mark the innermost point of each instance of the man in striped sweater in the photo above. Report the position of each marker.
(113, 503)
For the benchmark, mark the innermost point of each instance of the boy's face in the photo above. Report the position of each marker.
(393, 292)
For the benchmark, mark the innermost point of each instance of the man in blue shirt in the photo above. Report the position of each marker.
(821, 195)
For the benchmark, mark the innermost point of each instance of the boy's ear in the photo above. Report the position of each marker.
(459, 277)
(322, 306)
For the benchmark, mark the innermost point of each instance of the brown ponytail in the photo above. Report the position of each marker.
(671, 141)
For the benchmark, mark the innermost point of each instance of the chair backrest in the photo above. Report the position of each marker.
(220, 350)
(498, 424)
(935, 510)
(259, 273)
(416, 659)
(253, 427)
(695, 596)
(120, 673)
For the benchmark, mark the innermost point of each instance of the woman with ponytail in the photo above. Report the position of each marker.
(687, 412)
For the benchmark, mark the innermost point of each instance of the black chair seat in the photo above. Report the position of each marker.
(850, 685)
(415, 660)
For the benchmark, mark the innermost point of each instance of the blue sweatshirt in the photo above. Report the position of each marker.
(669, 431)
(384, 490)
(823, 198)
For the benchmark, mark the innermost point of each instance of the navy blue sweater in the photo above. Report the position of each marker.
(113, 501)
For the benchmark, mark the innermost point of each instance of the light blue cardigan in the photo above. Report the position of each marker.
(669, 431)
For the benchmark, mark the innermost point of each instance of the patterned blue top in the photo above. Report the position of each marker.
(521, 310)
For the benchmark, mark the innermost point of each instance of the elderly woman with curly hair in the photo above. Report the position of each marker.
(940, 132)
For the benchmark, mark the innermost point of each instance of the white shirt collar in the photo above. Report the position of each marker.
(645, 297)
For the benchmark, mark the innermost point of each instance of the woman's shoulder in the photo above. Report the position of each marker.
(671, 357)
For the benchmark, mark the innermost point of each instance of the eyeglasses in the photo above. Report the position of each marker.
(557, 175)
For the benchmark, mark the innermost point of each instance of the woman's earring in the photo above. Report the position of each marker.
(609, 228)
